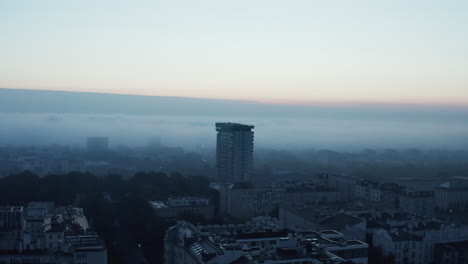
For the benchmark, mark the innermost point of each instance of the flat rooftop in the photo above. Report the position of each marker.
(233, 127)
(158, 204)
(11, 208)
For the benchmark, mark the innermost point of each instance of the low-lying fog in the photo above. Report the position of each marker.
(192, 123)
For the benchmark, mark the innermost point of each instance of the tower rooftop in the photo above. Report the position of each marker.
(233, 126)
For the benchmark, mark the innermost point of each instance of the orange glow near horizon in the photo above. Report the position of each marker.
(325, 103)
(344, 53)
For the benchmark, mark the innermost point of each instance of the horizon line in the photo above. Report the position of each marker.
(334, 103)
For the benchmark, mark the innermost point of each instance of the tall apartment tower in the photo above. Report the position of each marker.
(97, 144)
(234, 152)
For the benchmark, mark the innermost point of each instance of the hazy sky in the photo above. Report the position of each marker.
(330, 50)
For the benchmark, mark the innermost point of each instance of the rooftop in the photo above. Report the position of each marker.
(11, 209)
(402, 235)
(298, 246)
(233, 127)
(341, 221)
(265, 234)
(458, 185)
(316, 212)
(66, 219)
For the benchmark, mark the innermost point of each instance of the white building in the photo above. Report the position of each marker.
(415, 241)
(66, 236)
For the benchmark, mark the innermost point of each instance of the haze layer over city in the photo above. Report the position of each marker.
(69, 117)
(234, 132)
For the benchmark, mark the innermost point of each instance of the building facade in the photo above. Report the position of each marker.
(241, 201)
(409, 245)
(12, 226)
(45, 234)
(409, 238)
(234, 152)
(310, 217)
(258, 243)
(175, 207)
(452, 196)
(387, 195)
(345, 185)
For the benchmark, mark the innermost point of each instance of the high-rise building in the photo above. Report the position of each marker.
(234, 152)
(97, 144)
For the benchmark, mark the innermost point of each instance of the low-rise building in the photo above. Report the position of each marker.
(259, 223)
(12, 227)
(452, 196)
(186, 243)
(345, 185)
(454, 252)
(410, 238)
(244, 201)
(66, 236)
(417, 202)
(387, 195)
(314, 217)
(352, 227)
(35, 213)
(175, 207)
(379, 195)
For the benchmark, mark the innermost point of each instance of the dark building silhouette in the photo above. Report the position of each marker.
(97, 144)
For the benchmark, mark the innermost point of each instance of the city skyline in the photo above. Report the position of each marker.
(271, 52)
(236, 132)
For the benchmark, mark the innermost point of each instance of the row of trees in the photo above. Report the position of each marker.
(19, 189)
(117, 208)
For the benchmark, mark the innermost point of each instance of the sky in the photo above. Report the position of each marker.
(296, 51)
